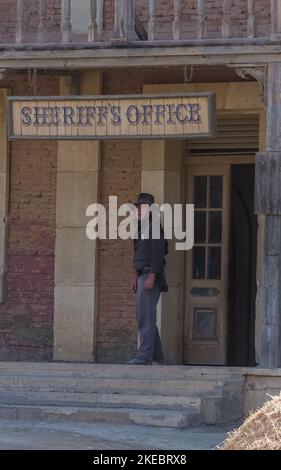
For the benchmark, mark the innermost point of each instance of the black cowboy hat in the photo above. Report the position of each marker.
(145, 198)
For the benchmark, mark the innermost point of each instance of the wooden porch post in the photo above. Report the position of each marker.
(268, 202)
(276, 18)
(4, 189)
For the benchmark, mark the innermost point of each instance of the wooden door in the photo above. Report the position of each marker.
(206, 267)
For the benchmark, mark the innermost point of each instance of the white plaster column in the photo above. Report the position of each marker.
(76, 255)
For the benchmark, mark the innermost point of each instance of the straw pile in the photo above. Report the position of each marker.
(260, 431)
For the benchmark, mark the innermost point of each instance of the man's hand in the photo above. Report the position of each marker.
(134, 282)
(149, 282)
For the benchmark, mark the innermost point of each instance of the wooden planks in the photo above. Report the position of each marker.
(275, 17)
(4, 191)
(267, 187)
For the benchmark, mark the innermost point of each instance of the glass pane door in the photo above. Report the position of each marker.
(206, 288)
(208, 202)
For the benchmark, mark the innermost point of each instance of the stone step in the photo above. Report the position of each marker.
(153, 394)
(159, 418)
(106, 385)
(120, 371)
(189, 403)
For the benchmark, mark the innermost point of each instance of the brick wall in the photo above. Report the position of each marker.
(7, 20)
(31, 16)
(116, 303)
(164, 15)
(26, 319)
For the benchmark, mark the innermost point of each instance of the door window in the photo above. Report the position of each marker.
(208, 201)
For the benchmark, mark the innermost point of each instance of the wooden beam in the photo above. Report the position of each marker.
(275, 17)
(250, 54)
(268, 202)
(4, 192)
(268, 189)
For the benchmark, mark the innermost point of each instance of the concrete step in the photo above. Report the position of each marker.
(119, 371)
(105, 385)
(160, 418)
(156, 394)
(190, 403)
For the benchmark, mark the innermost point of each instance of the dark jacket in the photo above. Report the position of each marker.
(150, 253)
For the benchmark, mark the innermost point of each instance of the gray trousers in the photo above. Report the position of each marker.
(150, 348)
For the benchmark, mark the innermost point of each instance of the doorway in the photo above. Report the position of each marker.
(221, 267)
(242, 267)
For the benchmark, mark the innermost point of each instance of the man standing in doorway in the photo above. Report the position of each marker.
(148, 282)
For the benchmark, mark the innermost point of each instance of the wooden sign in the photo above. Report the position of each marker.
(112, 117)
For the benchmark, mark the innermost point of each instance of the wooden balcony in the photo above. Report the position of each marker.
(143, 20)
(134, 29)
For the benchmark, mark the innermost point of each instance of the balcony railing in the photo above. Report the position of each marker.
(124, 21)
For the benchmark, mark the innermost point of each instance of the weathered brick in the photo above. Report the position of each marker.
(31, 239)
(116, 303)
(31, 17)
